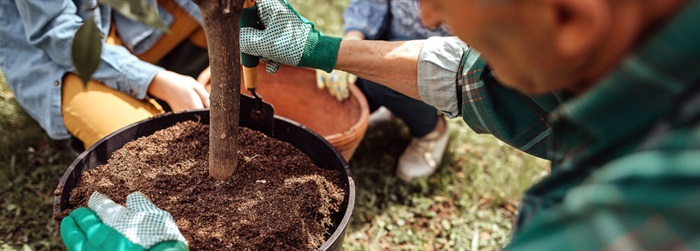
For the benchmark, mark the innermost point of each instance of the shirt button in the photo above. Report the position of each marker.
(55, 83)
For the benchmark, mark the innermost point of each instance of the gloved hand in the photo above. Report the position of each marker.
(337, 83)
(288, 38)
(109, 226)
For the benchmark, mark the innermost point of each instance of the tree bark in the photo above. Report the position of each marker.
(221, 25)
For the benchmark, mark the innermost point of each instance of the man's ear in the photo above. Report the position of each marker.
(580, 24)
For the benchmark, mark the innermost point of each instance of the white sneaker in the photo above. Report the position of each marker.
(423, 155)
(380, 116)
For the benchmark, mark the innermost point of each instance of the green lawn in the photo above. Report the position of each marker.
(31, 165)
(468, 204)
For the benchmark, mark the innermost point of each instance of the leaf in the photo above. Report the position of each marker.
(86, 49)
(138, 10)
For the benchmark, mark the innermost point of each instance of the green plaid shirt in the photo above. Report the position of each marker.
(625, 155)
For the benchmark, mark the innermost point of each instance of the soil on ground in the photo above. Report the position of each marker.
(276, 200)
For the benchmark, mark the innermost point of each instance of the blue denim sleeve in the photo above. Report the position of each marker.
(50, 26)
(366, 16)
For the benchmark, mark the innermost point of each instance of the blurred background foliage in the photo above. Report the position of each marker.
(469, 204)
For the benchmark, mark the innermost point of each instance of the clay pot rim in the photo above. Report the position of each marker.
(361, 124)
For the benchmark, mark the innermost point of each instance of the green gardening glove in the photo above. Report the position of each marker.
(109, 226)
(288, 38)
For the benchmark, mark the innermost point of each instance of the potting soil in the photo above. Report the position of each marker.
(276, 200)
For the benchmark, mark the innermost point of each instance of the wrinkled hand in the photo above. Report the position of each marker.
(288, 38)
(179, 91)
(140, 225)
(337, 83)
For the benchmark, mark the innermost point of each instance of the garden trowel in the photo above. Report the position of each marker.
(260, 114)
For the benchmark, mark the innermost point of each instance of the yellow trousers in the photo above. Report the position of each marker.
(96, 111)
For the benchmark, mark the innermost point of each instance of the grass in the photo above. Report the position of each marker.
(31, 165)
(468, 204)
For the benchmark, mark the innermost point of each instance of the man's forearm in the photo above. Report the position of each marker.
(393, 64)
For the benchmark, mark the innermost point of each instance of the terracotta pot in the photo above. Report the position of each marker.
(293, 93)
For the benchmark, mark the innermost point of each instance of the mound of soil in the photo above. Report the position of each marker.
(276, 200)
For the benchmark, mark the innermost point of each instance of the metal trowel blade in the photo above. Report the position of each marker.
(261, 118)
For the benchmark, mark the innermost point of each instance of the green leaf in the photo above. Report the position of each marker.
(86, 49)
(138, 10)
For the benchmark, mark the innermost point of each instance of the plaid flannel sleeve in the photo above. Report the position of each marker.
(456, 80)
(643, 201)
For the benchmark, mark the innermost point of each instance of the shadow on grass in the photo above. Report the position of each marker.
(381, 193)
(374, 164)
(469, 203)
(31, 165)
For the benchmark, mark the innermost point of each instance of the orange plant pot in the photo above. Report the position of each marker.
(293, 93)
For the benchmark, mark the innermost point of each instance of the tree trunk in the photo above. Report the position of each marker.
(221, 25)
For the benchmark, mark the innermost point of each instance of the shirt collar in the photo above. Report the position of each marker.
(644, 88)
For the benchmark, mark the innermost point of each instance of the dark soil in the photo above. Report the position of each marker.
(276, 200)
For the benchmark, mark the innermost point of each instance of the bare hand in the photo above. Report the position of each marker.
(179, 91)
(204, 78)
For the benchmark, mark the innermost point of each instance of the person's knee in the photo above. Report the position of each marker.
(94, 111)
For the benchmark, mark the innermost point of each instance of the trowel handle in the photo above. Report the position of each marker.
(249, 18)
(250, 76)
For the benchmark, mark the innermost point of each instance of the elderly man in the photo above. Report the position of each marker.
(609, 91)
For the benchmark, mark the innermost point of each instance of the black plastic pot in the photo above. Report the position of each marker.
(313, 145)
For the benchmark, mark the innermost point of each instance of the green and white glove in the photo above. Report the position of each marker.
(288, 38)
(140, 225)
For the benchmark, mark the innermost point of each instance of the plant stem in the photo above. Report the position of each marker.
(221, 25)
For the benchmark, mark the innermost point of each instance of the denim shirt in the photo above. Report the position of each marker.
(389, 20)
(35, 53)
